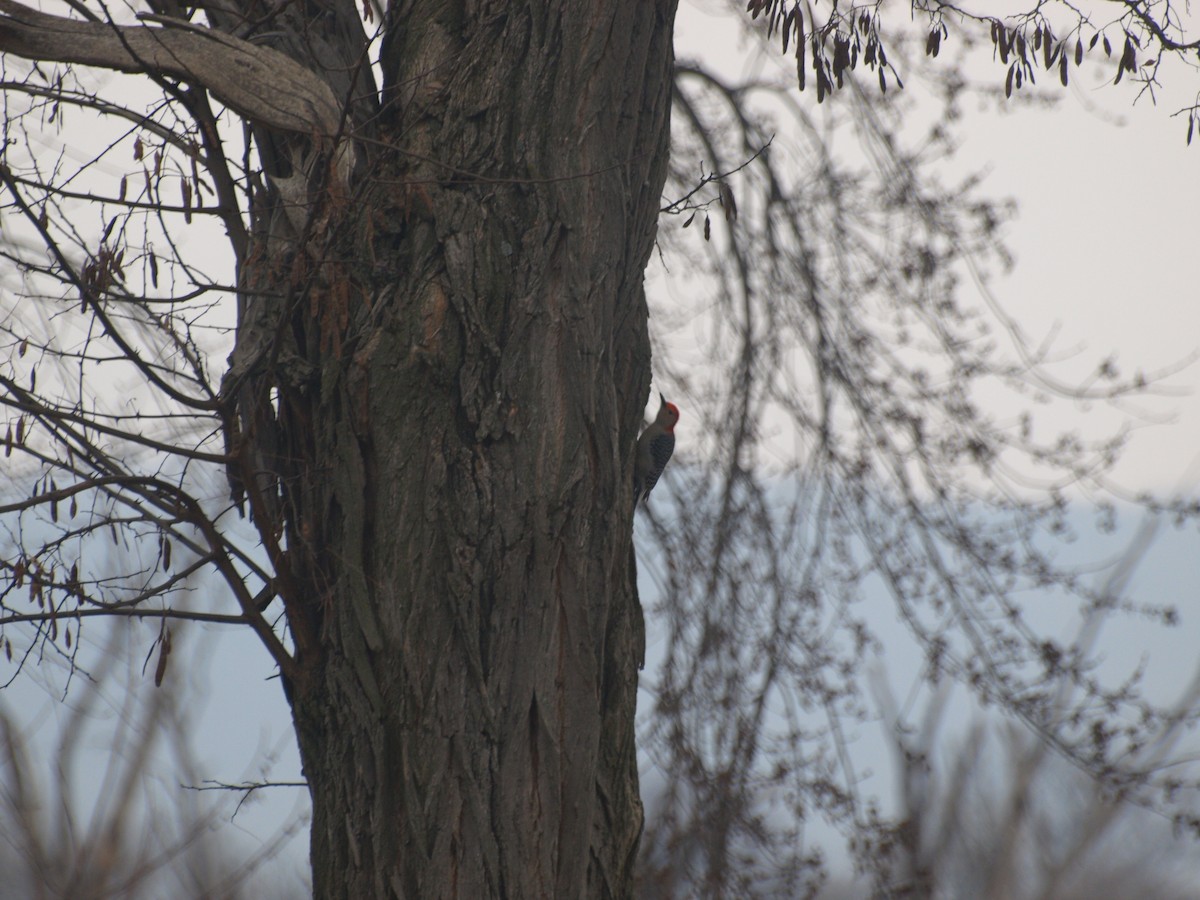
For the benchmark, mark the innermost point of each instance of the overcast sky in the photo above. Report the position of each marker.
(1107, 244)
(1107, 232)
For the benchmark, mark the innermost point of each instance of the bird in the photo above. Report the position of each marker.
(654, 449)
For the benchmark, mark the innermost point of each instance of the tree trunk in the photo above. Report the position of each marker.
(458, 400)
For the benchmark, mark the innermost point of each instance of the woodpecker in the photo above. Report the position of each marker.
(654, 449)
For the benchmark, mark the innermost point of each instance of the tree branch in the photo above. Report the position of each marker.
(258, 82)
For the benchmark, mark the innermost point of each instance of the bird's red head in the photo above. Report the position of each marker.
(668, 415)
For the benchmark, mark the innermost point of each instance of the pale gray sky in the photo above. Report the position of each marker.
(1107, 244)
(1106, 237)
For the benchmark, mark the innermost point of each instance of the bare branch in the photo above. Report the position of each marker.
(259, 82)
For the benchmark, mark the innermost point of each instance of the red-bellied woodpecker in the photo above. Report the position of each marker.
(654, 449)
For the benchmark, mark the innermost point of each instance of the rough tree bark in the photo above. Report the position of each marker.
(459, 389)
(430, 410)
